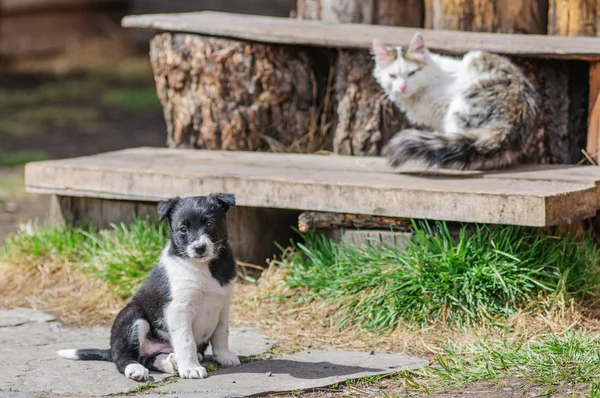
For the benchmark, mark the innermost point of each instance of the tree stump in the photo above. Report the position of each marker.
(226, 94)
(364, 120)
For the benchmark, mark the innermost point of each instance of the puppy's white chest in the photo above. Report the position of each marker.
(207, 307)
(194, 290)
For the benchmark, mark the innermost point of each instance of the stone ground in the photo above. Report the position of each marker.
(29, 366)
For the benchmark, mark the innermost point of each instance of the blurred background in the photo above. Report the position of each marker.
(73, 83)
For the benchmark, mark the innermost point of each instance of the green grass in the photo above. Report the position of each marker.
(18, 158)
(480, 278)
(27, 121)
(121, 256)
(549, 361)
(138, 99)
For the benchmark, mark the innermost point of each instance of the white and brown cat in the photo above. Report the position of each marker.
(477, 112)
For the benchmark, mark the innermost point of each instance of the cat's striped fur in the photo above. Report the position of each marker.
(477, 112)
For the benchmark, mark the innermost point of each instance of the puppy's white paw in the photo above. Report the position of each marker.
(226, 358)
(136, 371)
(166, 363)
(196, 372)
(172, 362)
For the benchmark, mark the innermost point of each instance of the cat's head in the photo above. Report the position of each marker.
(400, 70)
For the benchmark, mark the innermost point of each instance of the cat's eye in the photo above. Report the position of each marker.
(412, 72)
(210, 224)
(393, 75)
(182, 229)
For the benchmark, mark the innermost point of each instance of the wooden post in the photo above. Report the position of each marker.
(578, 18)
(593, 137)
(363, 121)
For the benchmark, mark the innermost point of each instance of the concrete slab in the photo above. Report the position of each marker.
(304, 370)
(29, 365)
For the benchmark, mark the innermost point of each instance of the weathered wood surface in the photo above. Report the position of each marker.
(150, 174)
(374, 12)
(226, 94)
(312, 220)
(317, 33)
(572, 17)
(499, 16)
(593, 135)
(375, 238)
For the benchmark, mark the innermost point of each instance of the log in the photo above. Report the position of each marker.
(226, 94)
(363, 121)
(499, 16)
(572, 18)
(312, 220)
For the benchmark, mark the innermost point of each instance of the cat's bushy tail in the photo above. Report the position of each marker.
(488, 147)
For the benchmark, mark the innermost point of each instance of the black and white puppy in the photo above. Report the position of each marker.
(184, 304)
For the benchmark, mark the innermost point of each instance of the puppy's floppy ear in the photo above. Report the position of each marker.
(224, 200)
(165, 208)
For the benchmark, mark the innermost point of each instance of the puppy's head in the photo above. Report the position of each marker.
(197, 223)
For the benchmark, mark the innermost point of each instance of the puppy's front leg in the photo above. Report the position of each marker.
(184, 345)
(220, 341)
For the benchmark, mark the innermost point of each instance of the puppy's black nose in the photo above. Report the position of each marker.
(200, 249)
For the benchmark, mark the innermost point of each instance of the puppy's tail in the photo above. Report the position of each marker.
(91, 354)
(488, 147)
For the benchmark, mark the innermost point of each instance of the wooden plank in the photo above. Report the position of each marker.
(317, 33)
(365, 164)
(156, 174)
(376, 237)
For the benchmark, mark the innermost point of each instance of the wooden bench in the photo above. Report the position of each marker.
(358, 124)
(272, 189)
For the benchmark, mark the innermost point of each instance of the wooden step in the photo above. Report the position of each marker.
(316, 33)
(317, 183)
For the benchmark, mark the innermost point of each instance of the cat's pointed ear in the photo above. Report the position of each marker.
(380, 51)
(417, 45)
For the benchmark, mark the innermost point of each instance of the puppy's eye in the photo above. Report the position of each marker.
(210, 224)
(413, 72)
(393, 75)
(183, 229)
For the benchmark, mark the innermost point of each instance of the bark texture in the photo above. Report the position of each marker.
(364, 119)
(225, 94)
